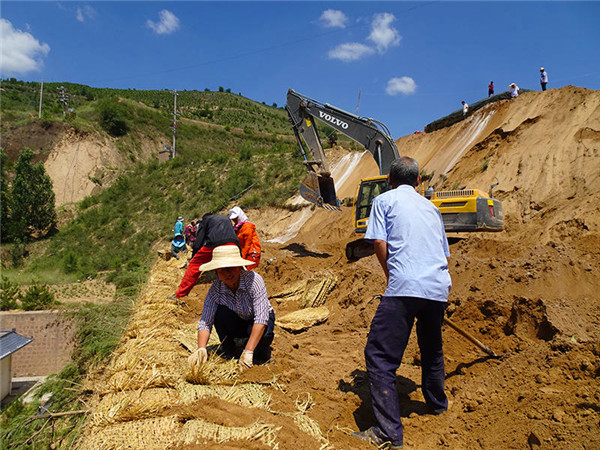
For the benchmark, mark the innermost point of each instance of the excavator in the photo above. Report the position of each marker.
(464, 210)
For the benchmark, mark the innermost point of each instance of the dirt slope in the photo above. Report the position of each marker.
(529, 292)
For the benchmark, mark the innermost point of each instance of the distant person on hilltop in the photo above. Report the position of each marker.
(246, 233)
(514, 90)
(543, 78)
(465, 108)
(491, 89)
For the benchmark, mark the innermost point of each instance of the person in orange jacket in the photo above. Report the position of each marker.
(246, 233)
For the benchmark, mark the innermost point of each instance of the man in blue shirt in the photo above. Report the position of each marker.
(410, 243)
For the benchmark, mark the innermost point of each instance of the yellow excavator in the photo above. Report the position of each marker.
(462, 210)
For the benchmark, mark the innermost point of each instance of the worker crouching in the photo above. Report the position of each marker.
(238, 307)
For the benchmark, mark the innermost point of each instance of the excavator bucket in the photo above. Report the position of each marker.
(320, 190)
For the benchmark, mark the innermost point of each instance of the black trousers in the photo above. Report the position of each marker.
(387, 340)
(230, 326)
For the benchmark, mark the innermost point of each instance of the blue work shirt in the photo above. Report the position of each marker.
(417, 245)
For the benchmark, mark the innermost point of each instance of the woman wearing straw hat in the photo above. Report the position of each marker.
(514, 90)
(238, 307)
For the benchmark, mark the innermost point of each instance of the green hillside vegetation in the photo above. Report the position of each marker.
(20, 104)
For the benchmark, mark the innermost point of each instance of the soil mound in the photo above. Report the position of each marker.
(529, 292)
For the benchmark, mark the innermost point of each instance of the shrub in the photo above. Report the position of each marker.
(38, 298)
(70, 262)
(18, 252)
(113, 117)
(9, 294)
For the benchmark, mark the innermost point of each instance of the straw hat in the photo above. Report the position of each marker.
(225, 256)
(541, 69)
(512, 85)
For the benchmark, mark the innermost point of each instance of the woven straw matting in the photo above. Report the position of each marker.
(303, 318)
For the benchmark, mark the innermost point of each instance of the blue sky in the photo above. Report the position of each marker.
(413, 61)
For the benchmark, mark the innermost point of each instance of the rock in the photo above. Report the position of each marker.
(533, 440)
(558, 415)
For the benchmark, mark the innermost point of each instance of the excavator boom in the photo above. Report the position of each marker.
(318, 187)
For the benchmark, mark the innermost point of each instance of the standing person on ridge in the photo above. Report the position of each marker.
(543, 78)
(246, 233)
(491, 89)
(213, 230)
(410, 244)
(465, 107)
(514, 90)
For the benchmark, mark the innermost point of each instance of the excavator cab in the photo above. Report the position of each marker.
(368, 189)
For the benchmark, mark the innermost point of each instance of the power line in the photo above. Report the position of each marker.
(257, 51)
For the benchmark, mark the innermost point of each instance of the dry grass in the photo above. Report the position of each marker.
(198, 431)
(305, 423)
(132, 405)
(214, 371)
(249, 395)
(148, 434)
(303, 318)
(140, 377)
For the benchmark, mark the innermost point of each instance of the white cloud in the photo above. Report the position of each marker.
(383, 35)
(87, 12)
(20, 51)
(333, 18)
(402, 85)
(167, 24)
(350, 51)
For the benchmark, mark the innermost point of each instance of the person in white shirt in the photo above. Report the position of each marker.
(514, 90)
(465, 108)
(543, 78)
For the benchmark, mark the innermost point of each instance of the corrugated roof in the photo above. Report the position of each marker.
(11, 341)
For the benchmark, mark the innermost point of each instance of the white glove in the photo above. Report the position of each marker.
(246, 359)
(198, 357)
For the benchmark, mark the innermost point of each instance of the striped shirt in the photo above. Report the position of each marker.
(250, 301)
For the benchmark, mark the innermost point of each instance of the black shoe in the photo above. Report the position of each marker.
(370, 436)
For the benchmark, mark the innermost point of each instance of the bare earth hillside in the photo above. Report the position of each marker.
(529, 292)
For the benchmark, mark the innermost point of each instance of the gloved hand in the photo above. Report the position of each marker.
(245, 361)
(198, 357)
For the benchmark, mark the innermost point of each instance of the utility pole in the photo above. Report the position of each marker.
(174, 126)
(358, 103)
(41, 95)
(63, 97)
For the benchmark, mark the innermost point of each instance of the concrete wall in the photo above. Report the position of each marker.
(52, 342)
(5, 378)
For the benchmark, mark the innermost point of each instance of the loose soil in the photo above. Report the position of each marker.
(529, 292)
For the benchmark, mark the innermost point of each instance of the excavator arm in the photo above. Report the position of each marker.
(318, 187)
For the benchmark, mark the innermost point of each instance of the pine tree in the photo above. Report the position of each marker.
(5, 199)
(32, 197)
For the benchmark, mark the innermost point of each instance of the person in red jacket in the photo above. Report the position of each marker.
(246, 233)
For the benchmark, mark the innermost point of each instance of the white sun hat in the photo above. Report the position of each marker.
(225, 256)
(235, 212)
